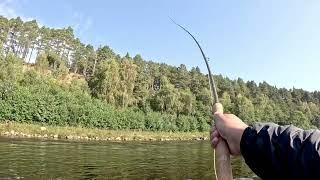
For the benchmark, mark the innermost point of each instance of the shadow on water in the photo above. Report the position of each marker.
(27, 159)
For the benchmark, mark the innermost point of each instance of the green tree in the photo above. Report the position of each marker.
(42, 63)
(299, 119)
(188, 102)
(244, 109)
(128, 75)
(105, 83)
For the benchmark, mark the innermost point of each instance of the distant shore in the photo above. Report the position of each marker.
(35, 131)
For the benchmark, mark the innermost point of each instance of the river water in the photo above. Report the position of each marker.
(35, 159)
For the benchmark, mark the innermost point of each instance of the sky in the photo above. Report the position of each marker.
(273, 41)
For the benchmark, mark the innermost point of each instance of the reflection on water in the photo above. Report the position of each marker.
(27, 159)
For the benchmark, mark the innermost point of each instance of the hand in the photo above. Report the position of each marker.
(230, 128)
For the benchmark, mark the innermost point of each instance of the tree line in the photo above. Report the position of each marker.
(71, 83)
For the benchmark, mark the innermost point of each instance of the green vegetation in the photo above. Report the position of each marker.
(72, 84)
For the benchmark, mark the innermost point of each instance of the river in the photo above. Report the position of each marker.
(36, 159)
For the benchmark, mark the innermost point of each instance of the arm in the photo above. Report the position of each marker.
(271, 151)
(287, 152)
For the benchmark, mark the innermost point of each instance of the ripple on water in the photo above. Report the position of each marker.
(29, 159)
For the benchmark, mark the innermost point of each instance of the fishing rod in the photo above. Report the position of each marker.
(211, 80)
(223, 169)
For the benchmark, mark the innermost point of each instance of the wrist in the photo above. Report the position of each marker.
(235, 138)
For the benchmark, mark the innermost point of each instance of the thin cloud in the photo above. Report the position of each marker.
(7, 9)
(86, 26)
(81, 23)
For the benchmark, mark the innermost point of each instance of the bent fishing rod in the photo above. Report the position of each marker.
(222, 165)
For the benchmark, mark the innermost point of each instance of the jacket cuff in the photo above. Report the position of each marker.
(246, 139)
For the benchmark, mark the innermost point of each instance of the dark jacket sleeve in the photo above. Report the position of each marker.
(281, 152)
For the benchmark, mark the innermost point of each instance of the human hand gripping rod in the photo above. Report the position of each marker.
(222, 165)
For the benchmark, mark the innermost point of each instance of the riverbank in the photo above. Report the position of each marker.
(21, 130)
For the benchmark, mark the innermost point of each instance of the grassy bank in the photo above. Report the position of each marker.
(21, 130)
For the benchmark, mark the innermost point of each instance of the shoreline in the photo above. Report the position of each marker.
(36, 131)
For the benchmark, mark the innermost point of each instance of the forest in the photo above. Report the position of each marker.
(70, 83)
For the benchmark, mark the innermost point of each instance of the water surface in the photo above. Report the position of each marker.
(34, 159)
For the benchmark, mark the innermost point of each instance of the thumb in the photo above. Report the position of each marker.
(217, 108)
(218, 117)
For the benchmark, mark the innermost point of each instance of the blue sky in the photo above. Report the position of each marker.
(276, 41)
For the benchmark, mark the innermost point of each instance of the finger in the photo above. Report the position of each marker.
(215, 142)
(214, 134)
(213, 129)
